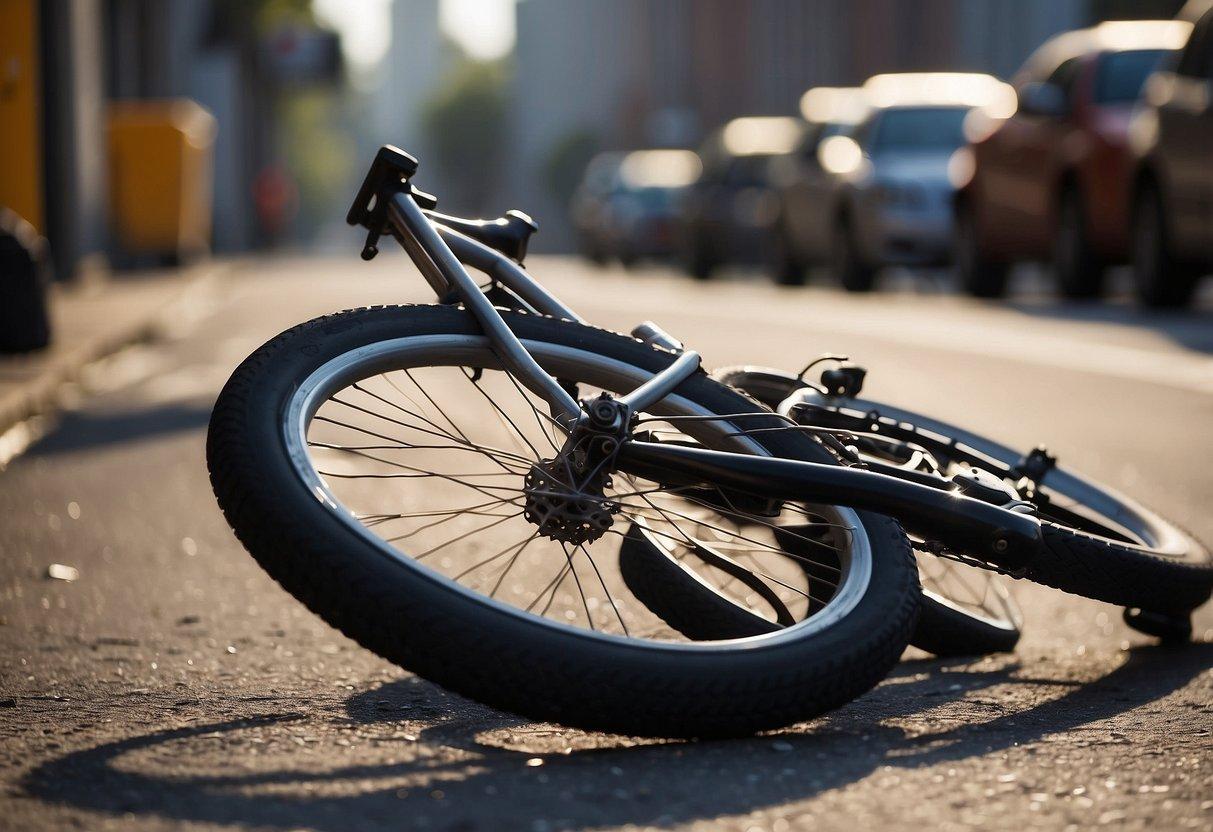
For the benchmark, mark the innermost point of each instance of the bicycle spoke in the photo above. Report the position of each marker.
(485, 450)
(473, 509)
(430, 399)
(588, 617)
(405, 411)
(502, 414)
(536, 412)
(454, 439)
(447, 519)
(610, 599)
(510, 565)
(463, 536)
(484, 489)
(497, 556)
(553, 586)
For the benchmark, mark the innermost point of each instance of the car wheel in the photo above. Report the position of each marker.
(980, 276)
(1158, 280)
(1079, 273)
(786, 268)
(592, 250)
(699, 261)
(853, 273)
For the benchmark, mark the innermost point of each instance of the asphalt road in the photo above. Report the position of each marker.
(173, 684)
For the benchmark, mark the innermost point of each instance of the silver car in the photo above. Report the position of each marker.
(885, 192)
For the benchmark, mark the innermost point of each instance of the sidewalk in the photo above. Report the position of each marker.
(90, 322)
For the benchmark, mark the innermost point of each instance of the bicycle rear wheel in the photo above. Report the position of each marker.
(1100, 544)
(965, 611)
(375, 463)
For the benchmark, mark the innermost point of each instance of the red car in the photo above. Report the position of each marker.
(1052, 182)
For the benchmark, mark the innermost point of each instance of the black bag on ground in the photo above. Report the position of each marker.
(24, 276)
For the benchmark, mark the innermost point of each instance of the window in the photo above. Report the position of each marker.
(920, 128)
(1121, 75)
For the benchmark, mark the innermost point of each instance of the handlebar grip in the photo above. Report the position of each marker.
(509, 234)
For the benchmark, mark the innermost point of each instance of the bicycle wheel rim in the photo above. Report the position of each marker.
(475, 351)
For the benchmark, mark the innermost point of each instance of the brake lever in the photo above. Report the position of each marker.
(426, 201)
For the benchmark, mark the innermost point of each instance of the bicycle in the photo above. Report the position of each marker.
(331, 454)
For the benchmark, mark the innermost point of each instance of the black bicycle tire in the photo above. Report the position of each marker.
(512, 661)
(1095, 567)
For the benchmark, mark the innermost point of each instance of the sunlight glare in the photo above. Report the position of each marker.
(483, 28)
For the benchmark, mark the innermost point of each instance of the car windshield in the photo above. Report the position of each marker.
(748, 171)
(1122, 74)
(652, 199)
(919, 129)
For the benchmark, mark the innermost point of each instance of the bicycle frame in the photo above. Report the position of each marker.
(998, 535)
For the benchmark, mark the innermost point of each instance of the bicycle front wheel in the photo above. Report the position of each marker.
(375, 463)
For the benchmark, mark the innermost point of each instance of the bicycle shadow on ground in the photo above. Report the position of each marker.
(471, 767)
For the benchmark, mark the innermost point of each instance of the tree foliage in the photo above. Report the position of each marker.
(465, 123)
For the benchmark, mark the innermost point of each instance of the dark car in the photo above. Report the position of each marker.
(628, 205)
(728, 212)
(1172, 137)
(1051, 182)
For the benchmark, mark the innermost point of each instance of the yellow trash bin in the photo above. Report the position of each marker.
(160, 167)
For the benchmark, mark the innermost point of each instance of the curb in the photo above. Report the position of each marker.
(42, 395)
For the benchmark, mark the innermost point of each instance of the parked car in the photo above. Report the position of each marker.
(1172, 140)
(886, 194)
(628, 205)
(729, 210)
(589, 207)
(802, 184)
(1052, 181)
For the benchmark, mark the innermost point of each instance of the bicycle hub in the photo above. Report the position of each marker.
(564, 495)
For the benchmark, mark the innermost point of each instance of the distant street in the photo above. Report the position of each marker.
(174, 684)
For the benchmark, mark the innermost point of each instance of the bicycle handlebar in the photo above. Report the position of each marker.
(390, 173)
